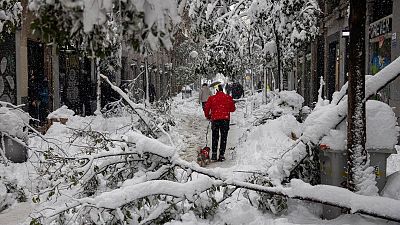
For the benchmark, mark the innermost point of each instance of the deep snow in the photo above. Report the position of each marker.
(256, 148)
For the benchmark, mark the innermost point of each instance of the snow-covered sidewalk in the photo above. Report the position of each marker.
(16, 215)
(191, 127)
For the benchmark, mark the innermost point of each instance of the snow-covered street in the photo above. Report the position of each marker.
(110, 109)
(191, 129)
(251, 149)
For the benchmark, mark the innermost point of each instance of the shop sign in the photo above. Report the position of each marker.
(380, 27)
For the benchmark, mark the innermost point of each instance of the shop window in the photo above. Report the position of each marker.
(380, 57)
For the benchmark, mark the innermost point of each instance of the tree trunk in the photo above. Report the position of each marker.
(265, 90)
(146, 64)
(98, 88)
(357, 162)
(278, 52)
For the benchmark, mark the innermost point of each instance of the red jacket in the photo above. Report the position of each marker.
(219, 107)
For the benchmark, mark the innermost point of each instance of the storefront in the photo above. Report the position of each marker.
(333, 65)
(76, 87)
(380, 44)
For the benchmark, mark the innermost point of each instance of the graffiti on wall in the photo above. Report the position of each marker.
(8, 70)
(380, 54)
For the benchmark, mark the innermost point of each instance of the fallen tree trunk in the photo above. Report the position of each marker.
(151, 183)
(335, 196)
(320, 122)
(330, 195)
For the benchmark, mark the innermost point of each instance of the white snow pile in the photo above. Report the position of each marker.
(13, 122)
(287, 102)
(62, 112)
(382, 130)
(65, 137)
(280, 103)
(392, 187)
(266, 142)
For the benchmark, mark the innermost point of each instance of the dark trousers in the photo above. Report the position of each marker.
(217, 127)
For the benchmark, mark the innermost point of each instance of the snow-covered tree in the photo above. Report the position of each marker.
(87, 23)
(254, 24)
(10, 15)
(361, 176)
(290, 23)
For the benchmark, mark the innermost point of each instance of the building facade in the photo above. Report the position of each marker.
(329, 51)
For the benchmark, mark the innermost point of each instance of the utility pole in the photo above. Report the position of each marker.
(356, 129)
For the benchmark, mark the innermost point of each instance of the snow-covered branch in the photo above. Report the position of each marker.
(10, 15)
(320, 122)
(334, 196)
(98, 25)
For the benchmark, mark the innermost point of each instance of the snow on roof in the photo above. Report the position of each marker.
(382, 130)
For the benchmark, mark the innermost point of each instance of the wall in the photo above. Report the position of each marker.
(394, 99)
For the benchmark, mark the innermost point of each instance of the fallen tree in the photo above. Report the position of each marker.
(320, 122)
(132, 178)
(161, 179)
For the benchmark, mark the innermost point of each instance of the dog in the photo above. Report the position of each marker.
(203, 156)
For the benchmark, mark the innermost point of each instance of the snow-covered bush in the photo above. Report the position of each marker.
(116, 173)
(288, 102)
(280, 103)
(119, 178)
(265, 202)
(10, 193)
(13, 126)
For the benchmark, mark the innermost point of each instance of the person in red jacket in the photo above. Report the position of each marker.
(218, 109)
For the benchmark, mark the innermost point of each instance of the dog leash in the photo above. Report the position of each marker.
(208, 126)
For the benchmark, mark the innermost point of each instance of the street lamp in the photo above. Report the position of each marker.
(345, 33)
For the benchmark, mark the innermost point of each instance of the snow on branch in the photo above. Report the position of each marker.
(335, 196)
(126, 194)
(124, 172)
(97, 24)
(10, 15)
(132, 105)
(323, 119)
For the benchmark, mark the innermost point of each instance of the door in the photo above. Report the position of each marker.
(38, 85)
(332, 69)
